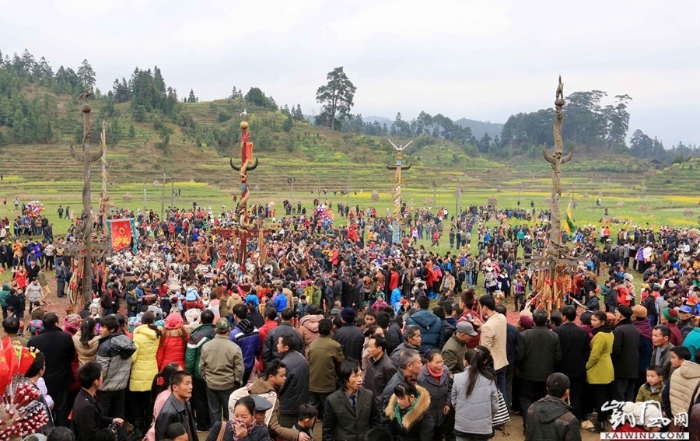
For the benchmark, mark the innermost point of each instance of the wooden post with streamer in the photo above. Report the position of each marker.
(247, 164)
(397, 188)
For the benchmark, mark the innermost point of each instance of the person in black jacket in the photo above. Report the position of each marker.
(177, 408)
(59, 350)
(625, 355)
(269, 350)
(575, 348)
(89, 423)
(242, 423)
(551, 418)
(350, 337)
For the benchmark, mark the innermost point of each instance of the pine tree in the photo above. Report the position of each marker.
(132, 132)
(191, 98)
(86, 75)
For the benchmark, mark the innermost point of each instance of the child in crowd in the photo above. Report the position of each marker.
(335, 311)
(651, 390)
(306, 420)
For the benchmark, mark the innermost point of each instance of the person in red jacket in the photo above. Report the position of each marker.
(173, 342)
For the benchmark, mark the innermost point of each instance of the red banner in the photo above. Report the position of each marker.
(121, 233)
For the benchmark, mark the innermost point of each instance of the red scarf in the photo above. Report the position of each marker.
(435, 375)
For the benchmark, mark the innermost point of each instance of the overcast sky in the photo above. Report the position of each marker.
(482, 60)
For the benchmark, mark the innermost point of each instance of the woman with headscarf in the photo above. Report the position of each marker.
(599, 368)
(173, 342)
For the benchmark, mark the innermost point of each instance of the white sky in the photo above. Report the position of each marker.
(480, 59)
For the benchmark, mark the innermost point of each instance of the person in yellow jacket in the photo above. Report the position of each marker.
(599, 368)
(144, 368)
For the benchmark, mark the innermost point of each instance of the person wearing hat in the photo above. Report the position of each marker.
(625, 355)
(640, 321)
(456, 346)
(686, 323)
(670, 318)
(221, 367)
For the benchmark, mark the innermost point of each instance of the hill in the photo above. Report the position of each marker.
(478, 128)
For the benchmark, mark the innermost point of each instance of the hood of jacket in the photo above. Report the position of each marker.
(261, 386)
(245, 326)
(425, 319)
(191, 294)
(550, 408)
(145, 331)
(415, 414)
(6, 287)
(311, 322)
(174, 321)
(119, 345)
(689, 370)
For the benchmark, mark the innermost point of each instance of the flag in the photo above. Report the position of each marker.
(568, 223)
(120, 232)
(8, 363)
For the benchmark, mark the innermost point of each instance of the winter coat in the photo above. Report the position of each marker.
(645, 345)
(325, 357)
(4, 294)
(377, 375)
(89, 353)
(575, 346)
(417, 422)
(89, 423)
(261, 386)
(173, 343)
(193, 353)
(692, 342)
(646, 394)
(394, 336)
(174, 411)
(537, 353)
(351, 339)
(664, 360)
(551, 419)
(493, 336)
(599, 368)
(309, 325)
(144, 366)
(221, 363)
(257, 433)
(397, 352)
(245, 335)
(474, 414)
(58, 348)
(676, 336)
(440, 392)
(114, 355)
(453, 354)
(430, 329)
(296, 387)
(625, 354)
(683, 382)
(342, 423)
(269, 350)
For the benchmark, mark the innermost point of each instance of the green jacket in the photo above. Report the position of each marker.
(4, 294)
(646, 394)
(193, 353)
(599, 368)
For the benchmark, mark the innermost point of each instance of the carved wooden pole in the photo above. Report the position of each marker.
(556, 160)
(397, 180)
(247, 165)
(87, 158)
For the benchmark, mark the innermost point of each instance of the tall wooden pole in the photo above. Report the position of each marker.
(172, 193)
(397, 189)
(144, 199)
(162, 199)
(87, 158)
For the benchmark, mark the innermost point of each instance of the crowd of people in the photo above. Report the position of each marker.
(371, 339)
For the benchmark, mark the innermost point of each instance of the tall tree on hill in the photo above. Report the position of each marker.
(191, 98)
(86, 74)
(297, 114)
(336, 96)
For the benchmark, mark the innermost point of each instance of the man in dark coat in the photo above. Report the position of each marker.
(625, 355)
(269, 350)
(59, 350)
(537, 354)
(380, 369)
(550, 418)
(296, 386)
(350, 412)
(89, 422)
(350, 337)
(177, 408)
(575, 348)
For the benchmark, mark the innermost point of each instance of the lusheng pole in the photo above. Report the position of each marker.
(162, 199)
(87, 158)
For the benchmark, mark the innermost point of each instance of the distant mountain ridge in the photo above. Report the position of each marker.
(478, 128)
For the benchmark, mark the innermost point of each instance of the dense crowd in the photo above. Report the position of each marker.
(373, 339)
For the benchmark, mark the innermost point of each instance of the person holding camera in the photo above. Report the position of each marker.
(89, 421)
